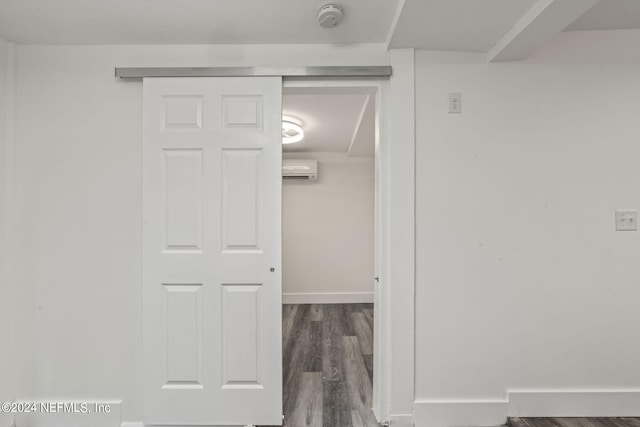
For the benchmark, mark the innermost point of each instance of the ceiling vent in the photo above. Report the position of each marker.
(330, 15)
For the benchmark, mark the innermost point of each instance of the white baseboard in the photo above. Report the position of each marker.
(574, 403)
(132, 424)
(460, 413)
(404, 420)
(73, 417)
(327, 298)
(527, 403)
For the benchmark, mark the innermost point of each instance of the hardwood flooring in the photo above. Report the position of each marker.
(328, 365)
(574, 422)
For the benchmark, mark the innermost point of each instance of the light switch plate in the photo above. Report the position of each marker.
(626, 220)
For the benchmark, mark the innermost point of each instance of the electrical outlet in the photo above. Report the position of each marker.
(455, 103)
(626, 220)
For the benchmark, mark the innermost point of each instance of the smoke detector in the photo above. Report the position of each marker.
(330, 14)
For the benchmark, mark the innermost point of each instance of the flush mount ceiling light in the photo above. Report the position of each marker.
(291, 130)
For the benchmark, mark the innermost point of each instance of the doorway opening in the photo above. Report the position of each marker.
(329, 258)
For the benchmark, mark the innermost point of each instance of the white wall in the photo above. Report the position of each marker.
(328, 228)
(78, 135)
(6, 383)
(521, 280)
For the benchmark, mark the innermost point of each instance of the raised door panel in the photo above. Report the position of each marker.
(240, 335)
(183, 199)
(241, 183)
(183, 335)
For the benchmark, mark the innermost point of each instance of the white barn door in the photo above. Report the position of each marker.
(212, 251)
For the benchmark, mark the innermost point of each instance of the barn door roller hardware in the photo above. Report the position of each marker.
(374, 72)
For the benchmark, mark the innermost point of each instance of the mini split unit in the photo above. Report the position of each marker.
(302, 169)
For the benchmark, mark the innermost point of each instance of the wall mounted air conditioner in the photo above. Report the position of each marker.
(303, 169)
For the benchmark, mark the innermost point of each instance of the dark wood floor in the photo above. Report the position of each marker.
(328, 365)
(574, 422)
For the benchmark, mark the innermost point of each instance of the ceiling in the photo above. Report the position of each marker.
(459, 25)
(442, 25)
(609, 15)
(190, 21)
(336, 123)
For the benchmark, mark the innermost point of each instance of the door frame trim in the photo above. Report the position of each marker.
(394, 372)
